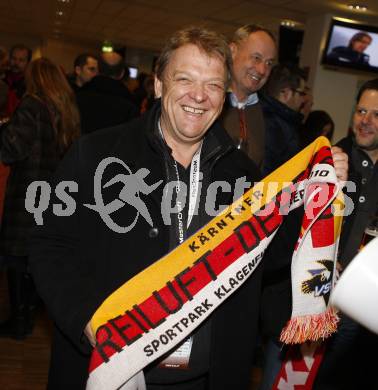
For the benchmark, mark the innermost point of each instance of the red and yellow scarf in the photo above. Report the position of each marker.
(158, 308)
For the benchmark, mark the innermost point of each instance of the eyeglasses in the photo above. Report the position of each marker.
(300, 92)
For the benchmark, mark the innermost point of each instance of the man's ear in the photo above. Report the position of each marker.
(77, 70)
(234, 49)
(158, 87)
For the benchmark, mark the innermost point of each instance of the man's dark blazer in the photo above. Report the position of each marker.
(104, 102)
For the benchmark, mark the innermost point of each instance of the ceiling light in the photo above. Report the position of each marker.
(357, 7)
(63, 1)
(59, 13)
(288, 23)
(107, 47)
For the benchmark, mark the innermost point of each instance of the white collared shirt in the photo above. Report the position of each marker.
(251, 99)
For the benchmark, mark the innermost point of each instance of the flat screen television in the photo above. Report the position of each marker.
(351, 45)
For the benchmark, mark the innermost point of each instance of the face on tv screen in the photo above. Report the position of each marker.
(352, 47)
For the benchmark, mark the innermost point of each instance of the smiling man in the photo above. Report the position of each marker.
(346, 364)
(77, 260)
(192, 98)
(253, 54)
(362, 149)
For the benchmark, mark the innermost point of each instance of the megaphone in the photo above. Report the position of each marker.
(356, 292)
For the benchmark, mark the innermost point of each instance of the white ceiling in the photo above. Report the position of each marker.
(146, 23)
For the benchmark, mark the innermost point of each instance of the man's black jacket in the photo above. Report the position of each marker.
(104, 102)
(77, 261)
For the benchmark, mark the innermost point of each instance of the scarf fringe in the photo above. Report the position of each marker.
(310, 327)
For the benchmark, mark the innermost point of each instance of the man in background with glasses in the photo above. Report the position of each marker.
(347, 364)
(282, 103)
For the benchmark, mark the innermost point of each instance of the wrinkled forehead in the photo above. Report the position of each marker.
(259, 41)
(189, 55)
(369, 99)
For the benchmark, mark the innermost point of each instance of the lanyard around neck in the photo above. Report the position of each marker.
(193, 188)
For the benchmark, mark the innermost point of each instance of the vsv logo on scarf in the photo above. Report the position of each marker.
(158, 308)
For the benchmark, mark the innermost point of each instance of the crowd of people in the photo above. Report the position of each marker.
(226, 107)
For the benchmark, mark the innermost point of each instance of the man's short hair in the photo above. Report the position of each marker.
(368, 85)
(358, 37)
(245, 31)
(283, 76)
(114, 70)
(207, 41)
(82, 59)
(21, 46)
